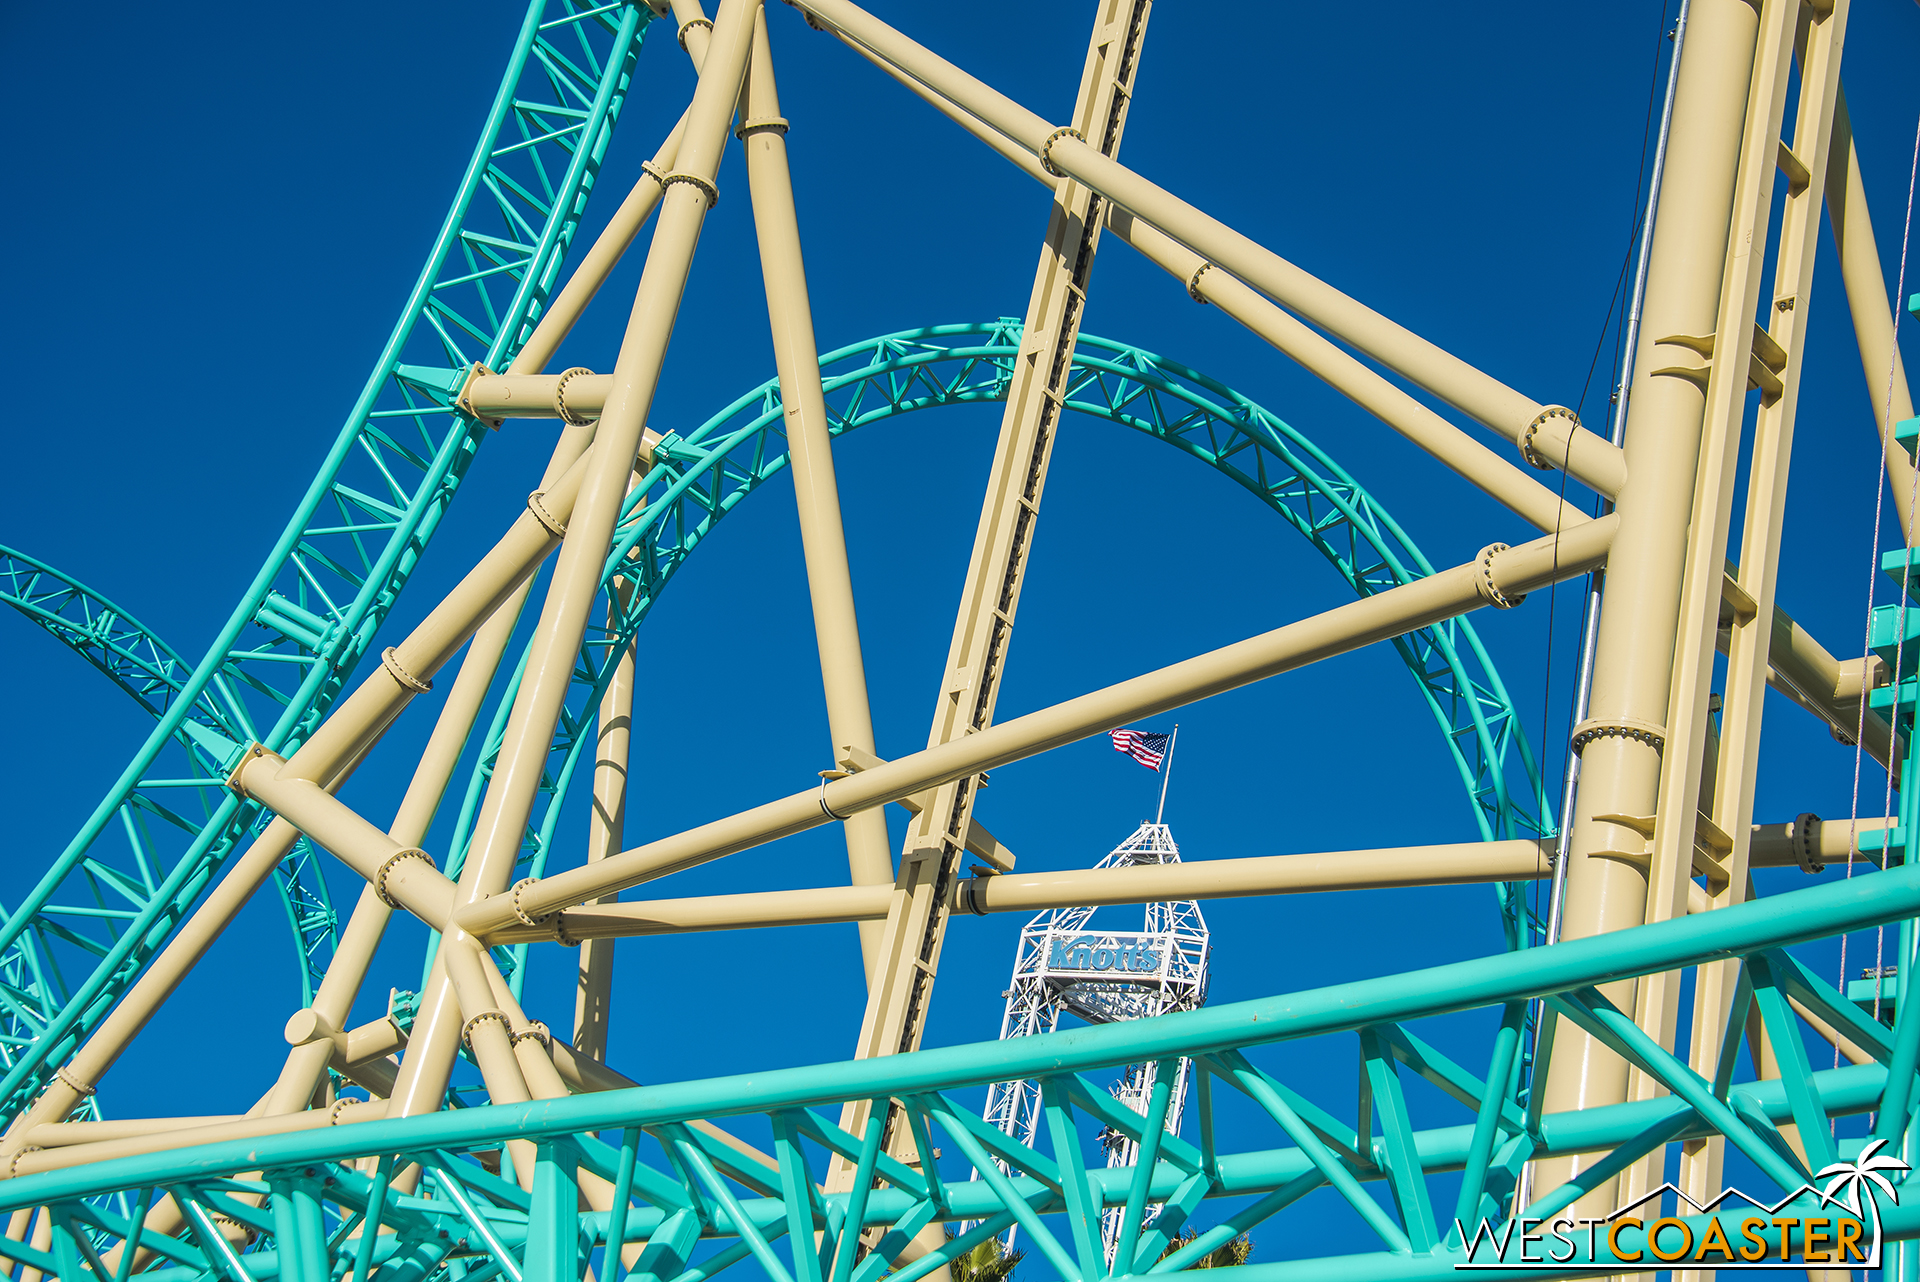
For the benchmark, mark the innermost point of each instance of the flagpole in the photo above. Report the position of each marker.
(1166, 775)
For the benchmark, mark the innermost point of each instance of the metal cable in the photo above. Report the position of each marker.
(1643, 231)
(1873, 567)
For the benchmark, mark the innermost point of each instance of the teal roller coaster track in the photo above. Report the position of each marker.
(436, 1196)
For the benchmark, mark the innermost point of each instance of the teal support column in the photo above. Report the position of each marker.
(553, 1231)
(297, 1228)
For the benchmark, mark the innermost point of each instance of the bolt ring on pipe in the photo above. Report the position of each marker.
(766, 124)
(1193, 284)
(513, 901)
(406, 679)
(1531, 455)
(711, 192)
(1488, 588)
(689, 25)
(1618, 728)
(1047, 146)
(560, 397)
(380, 878)
(1806, 843)
(466, 1029)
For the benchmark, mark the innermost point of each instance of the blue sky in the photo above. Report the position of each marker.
(216, 224)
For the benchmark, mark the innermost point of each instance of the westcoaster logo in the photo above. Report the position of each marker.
(1719, 1235)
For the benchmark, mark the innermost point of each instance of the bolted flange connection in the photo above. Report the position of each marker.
(380, 878)
(1532, 455)
(1489, 590)
(1618, 728)
(513, 901)
(1805, 836)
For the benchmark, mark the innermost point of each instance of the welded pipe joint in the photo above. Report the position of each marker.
(555, 526)
(72, 1081)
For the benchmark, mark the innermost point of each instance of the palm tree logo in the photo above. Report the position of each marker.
(1847, 1182)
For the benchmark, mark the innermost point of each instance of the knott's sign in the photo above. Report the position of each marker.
(1138, 954)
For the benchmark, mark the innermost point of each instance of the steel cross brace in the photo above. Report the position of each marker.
(902, 980)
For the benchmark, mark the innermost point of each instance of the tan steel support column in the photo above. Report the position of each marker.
(1808, 844)
(1819, 38)
(1487, 471)
(54, 1159)
(374, 703)
(836, 625)
(577, 574)
(1804, 671)
(1620, 776)
(902, 984)
(1685, 813)
(1866, 286)
(407, 669)
(598, 262)
(405, 875)
(368, 922)
(1462, 864)
(593, 987)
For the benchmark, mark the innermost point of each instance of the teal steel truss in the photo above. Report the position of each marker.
(153, 674)
(319, 1203)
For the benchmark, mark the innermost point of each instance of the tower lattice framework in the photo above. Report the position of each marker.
(1064, 963)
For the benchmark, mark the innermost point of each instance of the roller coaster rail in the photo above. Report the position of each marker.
(1582, 1092)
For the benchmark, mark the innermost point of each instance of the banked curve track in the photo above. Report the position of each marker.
(137, 660)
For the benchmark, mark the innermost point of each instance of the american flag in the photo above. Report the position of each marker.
(1147, 749)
